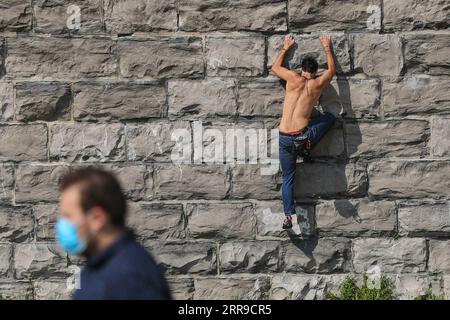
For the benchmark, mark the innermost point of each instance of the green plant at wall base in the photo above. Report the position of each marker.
(429, 295)
(350, 291)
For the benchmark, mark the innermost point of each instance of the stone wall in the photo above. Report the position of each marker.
(112, 90)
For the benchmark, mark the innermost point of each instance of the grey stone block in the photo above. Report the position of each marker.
(47, 101)
(161, 58)
(23, 142)
(221, 220)
(114, 100)
(356, 217)
(390, 255)
(317, 255)
(130, 16)
(409, 179)
(60, 58)
(235, 56)
(185, 257)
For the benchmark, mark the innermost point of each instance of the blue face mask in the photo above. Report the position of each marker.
(67, 237)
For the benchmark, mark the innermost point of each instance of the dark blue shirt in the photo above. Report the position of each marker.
(124, 270)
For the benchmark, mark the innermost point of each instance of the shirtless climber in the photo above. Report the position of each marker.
(298, 133)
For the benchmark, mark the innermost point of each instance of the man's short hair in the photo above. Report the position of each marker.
(98, 188)
(309, 64)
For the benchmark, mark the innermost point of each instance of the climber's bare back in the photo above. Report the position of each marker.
(298, 105)
(303, 89)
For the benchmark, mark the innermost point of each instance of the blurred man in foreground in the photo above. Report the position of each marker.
(92, 224)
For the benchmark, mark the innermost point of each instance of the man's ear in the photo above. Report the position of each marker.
(98, 218)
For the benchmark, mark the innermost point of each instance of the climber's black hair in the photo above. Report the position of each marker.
(309, 64)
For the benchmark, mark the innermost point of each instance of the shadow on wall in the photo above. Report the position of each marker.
(328, 175)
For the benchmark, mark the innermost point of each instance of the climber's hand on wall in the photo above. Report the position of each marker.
(326, 41)
(288, 42)
(277, 68)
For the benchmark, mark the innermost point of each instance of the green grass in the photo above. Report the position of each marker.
(350, 291)
(429, 295)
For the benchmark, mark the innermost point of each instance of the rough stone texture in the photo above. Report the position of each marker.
(16, 224)
(156, 141)
(45, 217)
(255, 15)
(16, 290)
(416, 95)
(7, 184)
(2, 56)
(235, 56)
(314, 255)
(55, 16)
(303, 287)
(60, 58)
(411, 286)
(203, 98)
(415, 15)
(191, 182)
(243, 142)
(38, 183)
(313, 287)
(181, 288)
(221, 220)
(401, 255)
(23, 142)
(15, 15)
(43, 101)
(118, 100)
(6, 99)
(391, 138)
(52, 290)
(5, 255)
(248, 182)
(136, 180)
(149, 89)
(186, 257)
(313, 15)
(439, 256)
(157, 220)
(87, 142)
(308, 45)
(255, 256)
(36, 260)
(439, 142)
(424, 219)
(409, 179)
(260, 98)
(161, 58)
(129, 16)
(378, 55)
(427, 53)
(330, 179)
(231, 288)
(356, 217)
(356, 97)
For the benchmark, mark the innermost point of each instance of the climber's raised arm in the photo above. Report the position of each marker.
(280, 71)
(327, 76)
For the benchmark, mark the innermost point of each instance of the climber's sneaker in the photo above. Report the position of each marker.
(287, 223)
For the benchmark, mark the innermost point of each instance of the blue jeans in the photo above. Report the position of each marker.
(291, 146)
